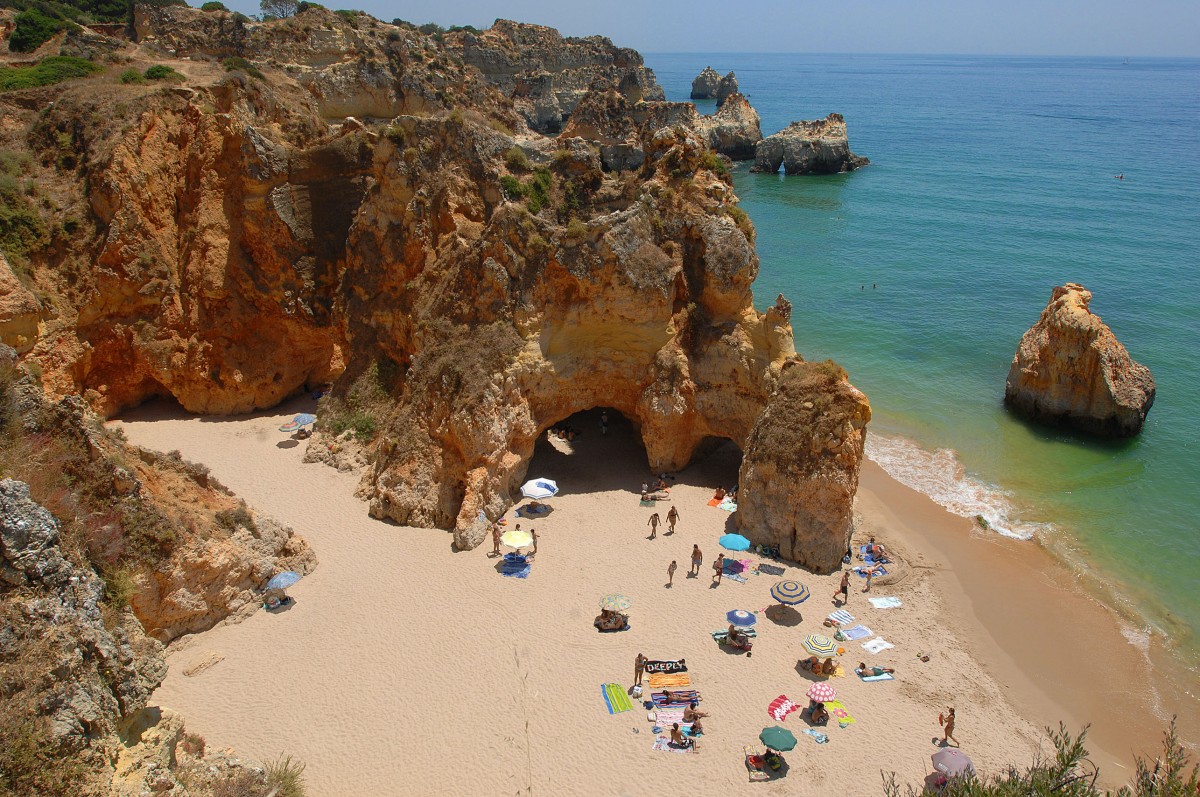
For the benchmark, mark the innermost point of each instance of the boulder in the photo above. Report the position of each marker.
(800, 466)
(1071, 369)
(734, 130)
(705, 86)
(817, 147)
(726, 89)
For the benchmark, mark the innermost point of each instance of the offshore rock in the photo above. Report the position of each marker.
(818, 147)
(800, 466)
(705, 86)
(1071, 369)
(727, 88)
(734, 130)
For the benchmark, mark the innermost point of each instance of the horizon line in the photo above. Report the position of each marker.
(926, 55)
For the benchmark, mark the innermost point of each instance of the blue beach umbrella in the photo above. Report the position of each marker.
(734, 542)
(539, 489)
(789, 592)
(741, 618)
(282, 581)
(303, 419)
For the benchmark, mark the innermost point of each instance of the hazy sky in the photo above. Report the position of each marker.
(1015, 27)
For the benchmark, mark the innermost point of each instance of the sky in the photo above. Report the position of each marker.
(1001, 27)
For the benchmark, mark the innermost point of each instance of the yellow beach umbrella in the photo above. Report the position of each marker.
(516, 538)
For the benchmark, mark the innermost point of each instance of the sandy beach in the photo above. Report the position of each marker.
(406, 668)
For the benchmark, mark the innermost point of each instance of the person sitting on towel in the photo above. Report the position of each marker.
(812, 664)
(690, 714)
(867, 672)
(697, 728)
(828, 668)
(818, 714)
(677, 737)
(736, 637)
(719, 494)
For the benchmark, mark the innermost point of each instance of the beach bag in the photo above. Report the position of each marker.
(941, 720)
(637, 691)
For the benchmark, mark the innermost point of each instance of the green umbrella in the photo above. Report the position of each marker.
(777, 738)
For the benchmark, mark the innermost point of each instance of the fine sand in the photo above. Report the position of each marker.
(404, 668)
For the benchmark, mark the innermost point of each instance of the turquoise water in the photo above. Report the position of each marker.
(991, 182)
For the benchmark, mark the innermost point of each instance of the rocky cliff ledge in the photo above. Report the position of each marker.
(1071, 369)
(709, 85)
(817, 147)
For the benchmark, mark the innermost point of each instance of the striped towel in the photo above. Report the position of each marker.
(615, 698)
(677, 697)
(841, 617)
(720, 635)
(668, 715)
(659, 680)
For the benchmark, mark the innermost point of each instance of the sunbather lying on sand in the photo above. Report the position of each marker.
(866, 672)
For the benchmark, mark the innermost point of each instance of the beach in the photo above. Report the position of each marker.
(404, 667)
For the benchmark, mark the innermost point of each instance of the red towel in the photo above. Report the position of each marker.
(780, 707)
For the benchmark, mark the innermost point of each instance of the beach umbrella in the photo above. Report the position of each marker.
(952, 762)
(821, 692)
(303, 419)
(516, 538)
(283, 580)
(777, 738)
(734, 542)
(615, 602)
(539, 489)
(819, 645)
(741, 618)
(789, 592)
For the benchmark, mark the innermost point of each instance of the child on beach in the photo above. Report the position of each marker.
(671, 573)
(672, 518)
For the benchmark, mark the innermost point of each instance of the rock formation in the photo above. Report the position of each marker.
(20, 313)
(1070, 369)
(800, 466)
(727, 88)
(819, 147)
(705, 86)
(734, 130)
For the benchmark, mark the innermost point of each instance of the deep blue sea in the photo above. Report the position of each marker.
(992, 181)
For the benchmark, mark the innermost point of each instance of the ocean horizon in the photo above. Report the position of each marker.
(991, 182)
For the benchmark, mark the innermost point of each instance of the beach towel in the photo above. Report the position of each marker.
(772, 570)
(655, 666)
(663, 744)
(841, 617)
(837, 710)
(738, 577)
(645, 503)
(659, 680)
(862, 571)
(616, 698)
(714, 502)
(727, 505)
(887, 676)
(679, 698)
(515, 569)
(856, 632)
(719, 636)
(780, 707)
(885, 603)
(668, 715)
(877, 645)
(817, 736)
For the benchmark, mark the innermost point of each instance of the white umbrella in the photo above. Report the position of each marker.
(539, 489)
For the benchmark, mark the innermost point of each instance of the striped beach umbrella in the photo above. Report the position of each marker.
(821, 692)
(741, 618)
(303, 419)
(615, 602)
(819, 645)
(516, 538)
(789, 592)
(539, 489)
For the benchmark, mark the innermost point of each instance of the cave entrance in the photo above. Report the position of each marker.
(592, 462)
(716, 463)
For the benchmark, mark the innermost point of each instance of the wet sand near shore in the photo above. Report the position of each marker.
(405, 668)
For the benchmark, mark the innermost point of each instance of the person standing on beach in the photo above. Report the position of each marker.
(495, 539)
(718, 568)
(533, 533)
(697, 560)
(843, 589)
(870, 571)
(639, 667)
(671, 573)
(653, 524)
(672, 518)
(604, 422)
(947, 723)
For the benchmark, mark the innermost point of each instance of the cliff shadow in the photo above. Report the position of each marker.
(716, 462)
(593, 461)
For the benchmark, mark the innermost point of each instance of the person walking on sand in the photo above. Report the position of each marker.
(653, 524)
(604, 422)
(672, 519)
(697, 560)
(843, 589)
(495, 539)
(871, 571)
(947, 722)
(718, 567)
(639, 667)
(671, 573)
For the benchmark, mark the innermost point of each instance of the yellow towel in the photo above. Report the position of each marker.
(659, 680)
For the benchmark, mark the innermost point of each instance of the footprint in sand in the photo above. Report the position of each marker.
(201, 664)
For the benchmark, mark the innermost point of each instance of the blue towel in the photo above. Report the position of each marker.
(515, 570)
(879, 572)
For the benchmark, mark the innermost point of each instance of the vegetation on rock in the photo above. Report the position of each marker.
(46, 72)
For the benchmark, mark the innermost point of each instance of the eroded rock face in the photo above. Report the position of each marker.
(726, 89)
(819, 147)
(20, 313)
(800, 466)
(734, 130)
(1071, 369)
(705, 86)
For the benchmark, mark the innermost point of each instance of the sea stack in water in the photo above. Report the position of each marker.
(727, 88)
(705, 86)
(734, 130)
(1070, 369)
(817, 147)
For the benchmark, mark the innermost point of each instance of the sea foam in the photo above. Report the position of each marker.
(939, 475)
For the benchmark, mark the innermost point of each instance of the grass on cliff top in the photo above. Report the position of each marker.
(46, 72)
(813, 396)
(360, 410)
(21, 228)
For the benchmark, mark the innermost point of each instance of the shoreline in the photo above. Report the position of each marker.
(348, 691)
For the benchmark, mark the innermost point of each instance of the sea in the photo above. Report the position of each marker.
(992, 180)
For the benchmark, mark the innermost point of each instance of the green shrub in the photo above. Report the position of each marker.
(539, 189)
(118, 586)
(714, 163)
(236, 63)
(431, 28)
(516, 159)
(239, 516)
(513, 187)
(349, 15)
(163, 72)
(31, 765)
(305, 6)
(131, 75)
(21, 228)
(33, 30)
(46, 72)
(742, 220)
(213, 5)
(286, 775)
(576, 228)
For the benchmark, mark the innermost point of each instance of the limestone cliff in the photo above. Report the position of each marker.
(1070, 368)
(726, 88)
(818, 147)
(734, 130)
(705, 86)
(20, 313)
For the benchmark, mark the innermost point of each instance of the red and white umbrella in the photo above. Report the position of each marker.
(821, 692)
